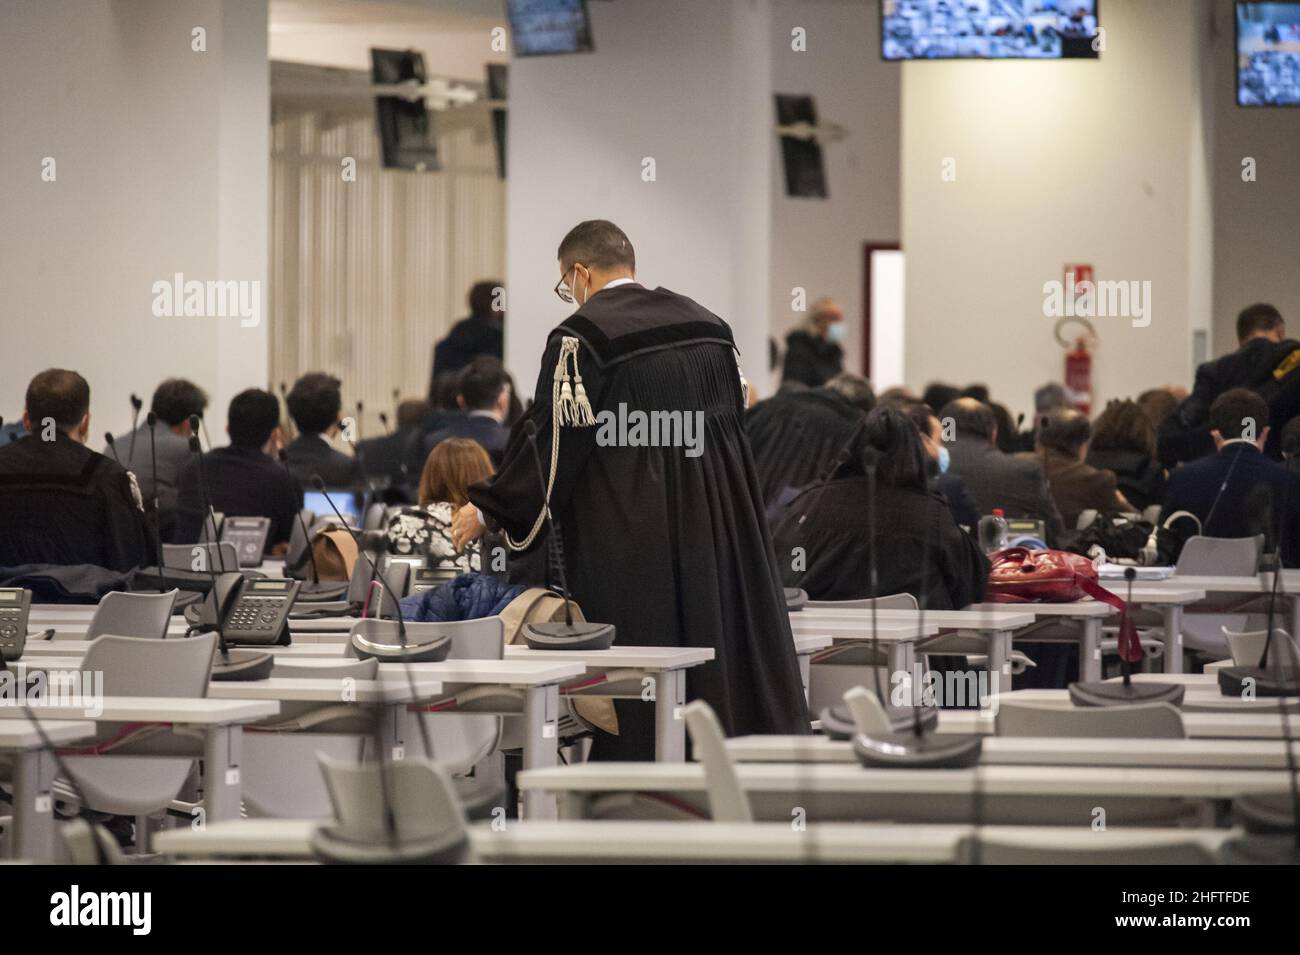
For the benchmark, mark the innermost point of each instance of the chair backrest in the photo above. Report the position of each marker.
(1036, 849)
(218, 557)
(420, 794)
(480, 639)
(1220, 556)
(394, 574)
(135, 667)
(1145, 720)
(373, 519)
(727, 800)
(888, 602)
(1248, 647)
(132, 615)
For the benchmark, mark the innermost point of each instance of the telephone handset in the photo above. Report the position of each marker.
(249, 612)
(15, 607)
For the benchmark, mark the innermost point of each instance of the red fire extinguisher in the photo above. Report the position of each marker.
(1078, 375)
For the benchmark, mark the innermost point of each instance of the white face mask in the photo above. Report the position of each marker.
(838, 332)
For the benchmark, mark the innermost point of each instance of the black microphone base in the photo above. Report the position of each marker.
(1259, 681)
(928, 751)
(242, 666)
(565, 636)
(1120, 694)
(837, 721)
(1266, 813)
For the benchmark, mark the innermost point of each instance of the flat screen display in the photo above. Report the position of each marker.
(987, 29)
(546, 27)
(1268, 54)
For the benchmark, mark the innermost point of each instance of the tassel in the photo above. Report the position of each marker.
(568, 411)
(583, 417)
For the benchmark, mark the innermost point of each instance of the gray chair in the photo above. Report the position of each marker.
(1219, 557)
(428, 822)
(201, 557)
(139, 785)
(132, 615)
(1113, 847)
(1248, 646)
(1144, 720)
(728, 801)
(837, 669)
(325, 668)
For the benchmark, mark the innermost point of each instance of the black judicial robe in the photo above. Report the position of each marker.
(795, 436)
(672, 549)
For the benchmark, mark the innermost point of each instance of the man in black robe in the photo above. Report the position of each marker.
(61, 502)
(654, 489)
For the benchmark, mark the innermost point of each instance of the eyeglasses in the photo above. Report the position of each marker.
(564, 291)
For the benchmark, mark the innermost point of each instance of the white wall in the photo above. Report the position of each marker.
(679, 81)
(161, 157)
(1095, 161)
(818, 244)
(1256, 224)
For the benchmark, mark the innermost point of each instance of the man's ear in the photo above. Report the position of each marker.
(1218, 438)
(460, 402)
(993, 436)
(84, 426)
(27, 422)
(1263, 437)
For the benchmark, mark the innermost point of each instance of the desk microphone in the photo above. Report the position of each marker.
(152, 420)
(360, 409)
(383, 419)
(136, 405)
(108, 438)
(196, 447)
(567, 635)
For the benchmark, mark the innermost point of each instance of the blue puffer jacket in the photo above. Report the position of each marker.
(466, 597)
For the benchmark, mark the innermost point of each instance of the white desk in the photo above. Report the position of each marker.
(1198, 697)
(1168, 598)
(219, 721)
(577, 842)
(1041, 751)
(1231, 726)
(1087, 614)
(34, 770)
(1261, 584)
(995, 794)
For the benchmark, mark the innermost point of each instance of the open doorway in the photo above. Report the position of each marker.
(882, 314)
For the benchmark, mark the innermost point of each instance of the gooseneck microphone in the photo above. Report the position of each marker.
(567, 635)
(383, 419)
(302, 524)
(210, 515)
(108, 439)
(152, 420)
(136, 405)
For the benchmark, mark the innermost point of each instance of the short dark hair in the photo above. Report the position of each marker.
(597, 244)
(854, 389)
(482, 296)
(1260, 317)
(1291, 438)
(977, 391)
(315, 401)
(1065, 430)
(1233, 409)
(411, 412)
(253, 415)
(937, 394)
(970, 417)
(918, 412)
(176, 399)
(60, 395)
(1124, 426)
(480, 382)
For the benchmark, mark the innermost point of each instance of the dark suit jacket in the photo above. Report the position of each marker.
(1016, 485)
(61, 503)
(488, 432)
(243, 482)
(1077, 487)
(1185, 434)
(811, 360)
(1261, 497)
(310, 454)
(468, 338)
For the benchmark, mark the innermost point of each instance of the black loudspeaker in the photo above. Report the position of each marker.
(498, 85)
(805, 167)
(405, 126)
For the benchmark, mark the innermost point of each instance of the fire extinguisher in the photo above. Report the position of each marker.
(1078, 367)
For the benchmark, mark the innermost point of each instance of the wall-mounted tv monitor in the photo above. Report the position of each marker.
(545, 27)
(987, 29)
(405, 128)
(1268, 54)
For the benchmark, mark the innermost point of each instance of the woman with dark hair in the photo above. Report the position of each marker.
(1124, 442)
(823, 540)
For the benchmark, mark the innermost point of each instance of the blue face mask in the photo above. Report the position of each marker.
(838, 332)
(945, 459)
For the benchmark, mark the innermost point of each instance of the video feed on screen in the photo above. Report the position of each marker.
(987, 29)
(1268, 54)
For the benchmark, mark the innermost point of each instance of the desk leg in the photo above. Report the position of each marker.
(999, 665)
(902, 656)
(392, 731)
(1090, 650)
(222, 759)
(1295, 616)
(805, 668)
(33, 835)
(541, 711)
(1173, 638)
(670, 728)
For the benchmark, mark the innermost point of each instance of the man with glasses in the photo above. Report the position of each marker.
(663, 530)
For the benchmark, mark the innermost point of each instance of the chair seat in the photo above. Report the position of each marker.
(128, 785)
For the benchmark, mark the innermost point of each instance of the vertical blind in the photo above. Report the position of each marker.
(367, 275)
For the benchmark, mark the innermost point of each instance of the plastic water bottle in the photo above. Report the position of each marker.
(993, 531)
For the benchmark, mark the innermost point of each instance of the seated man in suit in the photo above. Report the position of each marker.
(387, 458)
(1061, 447)
(996, 479)
(483, 394)
(60, 502)
(315, 401)
(1263, 362)
(244, 479)
(173, 402)
(1237, 491)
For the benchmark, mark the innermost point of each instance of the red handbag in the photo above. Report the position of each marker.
(1021, 575)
